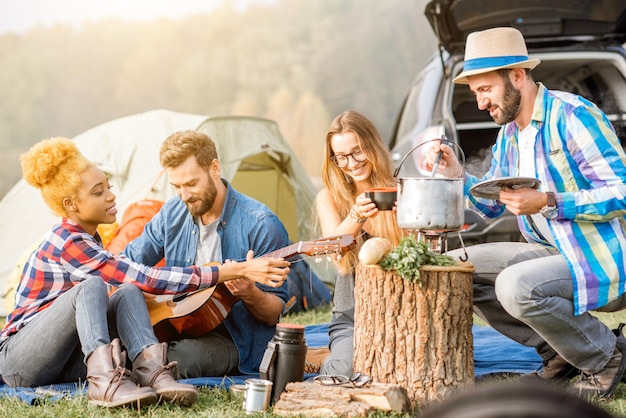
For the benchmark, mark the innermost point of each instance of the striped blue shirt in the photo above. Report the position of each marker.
(578, 157)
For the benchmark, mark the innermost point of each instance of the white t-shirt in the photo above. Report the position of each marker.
(209, 244)
(526, 168)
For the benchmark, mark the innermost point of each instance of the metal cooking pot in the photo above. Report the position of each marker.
(430, 203)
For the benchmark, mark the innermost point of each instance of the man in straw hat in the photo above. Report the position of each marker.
(540, 293)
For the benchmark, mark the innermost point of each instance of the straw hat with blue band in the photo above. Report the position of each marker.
(494, 49)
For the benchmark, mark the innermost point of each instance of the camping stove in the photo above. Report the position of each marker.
(437, 241)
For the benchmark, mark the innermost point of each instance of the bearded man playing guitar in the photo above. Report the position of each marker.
(210, 221)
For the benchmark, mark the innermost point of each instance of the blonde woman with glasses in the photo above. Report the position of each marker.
(355, 159)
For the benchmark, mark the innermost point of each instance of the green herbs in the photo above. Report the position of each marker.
(407, 258)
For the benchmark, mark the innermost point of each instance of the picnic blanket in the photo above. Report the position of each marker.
(493, 354)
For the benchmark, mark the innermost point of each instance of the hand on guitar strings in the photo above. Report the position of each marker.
(269, 271)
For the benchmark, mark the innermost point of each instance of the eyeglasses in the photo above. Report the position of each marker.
(341, 160)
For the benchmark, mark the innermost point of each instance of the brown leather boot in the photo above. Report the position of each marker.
(150, 368)
(109, 381)
(555, 371)
(315, 358)
(603, 383)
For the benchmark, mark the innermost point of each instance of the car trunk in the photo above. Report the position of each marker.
(544, 23)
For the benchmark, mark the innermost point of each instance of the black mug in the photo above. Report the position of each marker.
(283, 361)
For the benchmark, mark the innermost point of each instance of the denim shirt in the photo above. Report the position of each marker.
(245, 224)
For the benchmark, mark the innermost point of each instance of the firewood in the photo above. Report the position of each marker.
(312, 400)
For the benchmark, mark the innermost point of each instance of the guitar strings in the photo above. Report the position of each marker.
(303, 259)
(310, 273)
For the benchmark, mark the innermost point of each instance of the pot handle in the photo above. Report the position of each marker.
(443, 139)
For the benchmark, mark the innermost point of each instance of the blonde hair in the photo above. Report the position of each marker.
(54, 166)
(343, 190)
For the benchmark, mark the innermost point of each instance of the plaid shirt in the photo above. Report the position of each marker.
(69, 255)
(579, 157)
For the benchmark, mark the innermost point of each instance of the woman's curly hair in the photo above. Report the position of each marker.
(54, 166)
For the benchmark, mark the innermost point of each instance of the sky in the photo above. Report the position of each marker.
(20, 15)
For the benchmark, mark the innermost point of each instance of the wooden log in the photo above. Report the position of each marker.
(416, 336)
(308, 399)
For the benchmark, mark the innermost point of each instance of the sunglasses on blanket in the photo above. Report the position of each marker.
(357, 380)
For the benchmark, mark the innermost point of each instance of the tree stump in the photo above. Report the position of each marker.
(419, 337)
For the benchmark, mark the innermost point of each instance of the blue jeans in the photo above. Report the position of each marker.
(525, 291)
(54, 345)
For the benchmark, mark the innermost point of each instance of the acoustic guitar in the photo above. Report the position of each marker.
(192, 314)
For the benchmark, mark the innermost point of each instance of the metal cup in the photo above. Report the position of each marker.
(237, 392)
(257, 395)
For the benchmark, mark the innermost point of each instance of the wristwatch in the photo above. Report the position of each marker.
(550, 211)
(355, 217)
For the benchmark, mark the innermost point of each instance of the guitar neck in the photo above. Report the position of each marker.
(286, 252)
(329, 245)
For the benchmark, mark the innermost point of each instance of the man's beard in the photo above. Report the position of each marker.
(206, 202)
(511, 103)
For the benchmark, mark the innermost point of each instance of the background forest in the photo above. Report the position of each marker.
(299, 62)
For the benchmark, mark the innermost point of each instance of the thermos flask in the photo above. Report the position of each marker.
(283, 360)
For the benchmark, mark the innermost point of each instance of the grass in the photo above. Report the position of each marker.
(217, 403)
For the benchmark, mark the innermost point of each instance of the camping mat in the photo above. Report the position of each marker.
(493, 354)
